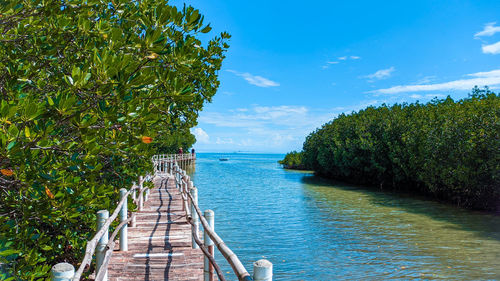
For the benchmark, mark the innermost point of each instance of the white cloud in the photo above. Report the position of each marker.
(493, 49)
(381, 74)
(426, 80)
(343, 58)
(224, 141)
(488, 78)
(201, 136)
(493, 73)
(279, 111)
(489, 30)
(258, 116)
(256, 80)
(268, 128)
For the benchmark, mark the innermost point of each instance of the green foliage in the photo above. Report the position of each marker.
(81, 82)
(447, 149)
(293, 160)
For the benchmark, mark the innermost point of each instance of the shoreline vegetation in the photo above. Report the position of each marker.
(294, 161)
(444, 149)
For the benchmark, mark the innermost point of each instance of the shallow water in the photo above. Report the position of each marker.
(312, 229)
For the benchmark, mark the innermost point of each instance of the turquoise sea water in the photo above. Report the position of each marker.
(313, 229)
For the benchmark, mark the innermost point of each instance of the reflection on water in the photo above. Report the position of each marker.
(311, 229)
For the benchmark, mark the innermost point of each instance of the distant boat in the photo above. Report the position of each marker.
(223, 159)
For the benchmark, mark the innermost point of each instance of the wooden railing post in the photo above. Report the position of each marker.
(123, 217)
(62, 272)
(208, 269)
(178, 175)
(194, 194)
(183, 181)
(141, 196)
(262, 270)
(134, 196)
(102, 216)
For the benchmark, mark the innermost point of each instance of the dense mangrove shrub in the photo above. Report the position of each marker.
(293, 160)
(90, 90)
(445, 148)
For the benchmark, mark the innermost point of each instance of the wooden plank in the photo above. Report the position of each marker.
(160, 245)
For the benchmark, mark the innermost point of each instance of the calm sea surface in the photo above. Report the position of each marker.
(312, 229)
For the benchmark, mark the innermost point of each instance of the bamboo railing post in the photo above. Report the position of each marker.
(208, 269)
(62, 272)
(181, 186)
(133, 222)
(177, 174)
(194, 194)
(141, 196)
(160, 160)
(123, 217)
(102, 216)
(183, 181)
(133, 192)
(262, 270)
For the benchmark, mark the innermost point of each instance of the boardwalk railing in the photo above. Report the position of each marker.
(172, 165)
(102, 244)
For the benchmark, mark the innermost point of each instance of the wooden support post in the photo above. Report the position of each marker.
(262, 270)
(194, 194)
(183, 181)
(208, 268)
(133, 223)
(141, 195)
(62, 272)
(134, 196)
(102, 216)
(123, 217)
(178, 175)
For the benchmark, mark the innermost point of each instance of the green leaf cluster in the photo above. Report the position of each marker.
(447, 149)
(81, 82)
(293, 160)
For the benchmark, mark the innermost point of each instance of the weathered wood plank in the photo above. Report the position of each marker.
(160, 244)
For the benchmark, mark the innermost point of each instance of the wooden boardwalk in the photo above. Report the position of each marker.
(160, 244)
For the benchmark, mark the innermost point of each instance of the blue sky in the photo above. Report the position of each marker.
(294, 65)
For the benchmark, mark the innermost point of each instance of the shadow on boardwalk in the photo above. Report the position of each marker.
(160, 244)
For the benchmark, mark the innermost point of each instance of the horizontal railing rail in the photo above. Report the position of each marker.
(189, 195)
(101, 244)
